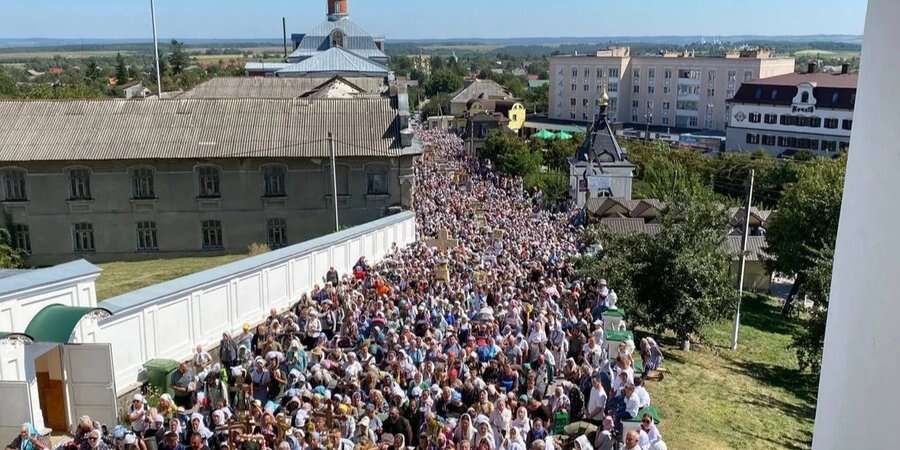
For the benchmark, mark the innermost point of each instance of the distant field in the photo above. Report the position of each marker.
(16, 56)
(827, 53)
(122, 277)
(471, 48)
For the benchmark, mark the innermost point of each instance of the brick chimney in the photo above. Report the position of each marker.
(337, 9)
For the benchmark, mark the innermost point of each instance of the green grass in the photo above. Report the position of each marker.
(754, 398)
(121, 277)
(827, 53)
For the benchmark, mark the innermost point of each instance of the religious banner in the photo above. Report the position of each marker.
(443, 241)
(481, 277)
(442, 271)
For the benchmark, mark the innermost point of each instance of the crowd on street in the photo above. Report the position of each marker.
(480, 336)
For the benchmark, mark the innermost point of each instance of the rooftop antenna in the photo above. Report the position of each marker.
(156, 50)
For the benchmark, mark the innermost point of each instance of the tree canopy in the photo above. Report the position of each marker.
(679, 280)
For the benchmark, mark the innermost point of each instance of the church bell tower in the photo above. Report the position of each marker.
(337, 9)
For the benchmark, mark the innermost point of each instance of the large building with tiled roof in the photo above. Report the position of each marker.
(787, 114)
(234, 162)
(337, 46)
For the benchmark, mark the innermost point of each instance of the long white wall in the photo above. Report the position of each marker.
(857, 391)
(170, 319)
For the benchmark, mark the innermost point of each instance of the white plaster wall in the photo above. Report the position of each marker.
(172, 324)
(857, 394)
(783, 110)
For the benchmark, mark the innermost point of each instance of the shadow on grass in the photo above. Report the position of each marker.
(803, 442)
(761, 313)
(803, 385)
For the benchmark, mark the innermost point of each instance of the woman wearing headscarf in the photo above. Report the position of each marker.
(197, 426)
(484, 433)
(28, 439)
(501, 419)
(522, 422)
(465, 430)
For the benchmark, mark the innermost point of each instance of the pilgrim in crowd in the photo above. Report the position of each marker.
(486, 340)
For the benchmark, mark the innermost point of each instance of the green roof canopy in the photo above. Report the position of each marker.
(55, 323)
(563, 136)
(545, 135)
(16, 337)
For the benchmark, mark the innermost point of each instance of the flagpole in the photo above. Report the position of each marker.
(156, 50)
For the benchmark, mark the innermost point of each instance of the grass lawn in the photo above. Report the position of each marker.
(121, 277)
(754, 398)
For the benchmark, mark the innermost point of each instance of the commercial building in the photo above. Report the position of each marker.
(235, 162)
(797, 112)
(677, 90)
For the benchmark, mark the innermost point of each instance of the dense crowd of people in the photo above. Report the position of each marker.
(485, 339)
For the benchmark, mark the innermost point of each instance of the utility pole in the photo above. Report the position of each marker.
(156, 50)
(334, 192)
(284, 35)
(737, 314)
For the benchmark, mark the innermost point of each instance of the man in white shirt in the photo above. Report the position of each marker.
(641, 391)
(632, 403)
(597, 401)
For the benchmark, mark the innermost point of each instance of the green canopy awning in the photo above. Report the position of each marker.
(563, 136)
(55, 323)
(619, 336)
(16, 337)
(545, 135)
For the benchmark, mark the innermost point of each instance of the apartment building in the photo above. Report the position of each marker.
(677, 90)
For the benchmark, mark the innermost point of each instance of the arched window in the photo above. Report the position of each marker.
(804, 97)
(337, 39)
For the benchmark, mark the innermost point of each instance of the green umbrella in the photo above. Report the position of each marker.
(545, 135)
(563, 136)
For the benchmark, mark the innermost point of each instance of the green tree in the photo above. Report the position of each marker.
(438, 105)
(537, 99)
(443, 82)
(121, 70)
(679, 280)
(93, 72)
(10, 258)
(809, 338)
(553, 183)
(806, 221)
(558, 152)
(7, 85)
(178, 59)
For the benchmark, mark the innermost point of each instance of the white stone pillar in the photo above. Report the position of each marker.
(858, 396)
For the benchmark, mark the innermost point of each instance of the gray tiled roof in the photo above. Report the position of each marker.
(756, 247)
(480, 89)
(335, 60)
(627, 225)
(285, 88)
(196, 128)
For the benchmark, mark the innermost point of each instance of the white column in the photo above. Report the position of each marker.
(858, 398)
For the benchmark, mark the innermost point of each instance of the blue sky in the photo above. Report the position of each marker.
(433, 19)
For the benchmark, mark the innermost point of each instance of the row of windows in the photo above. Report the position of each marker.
(143, 185)
(612, 87)
(613, 72)
(796, 143)
(147, 236)
(800, 121)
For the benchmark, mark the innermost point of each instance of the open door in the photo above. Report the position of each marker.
(16, 407)
(90, 382)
